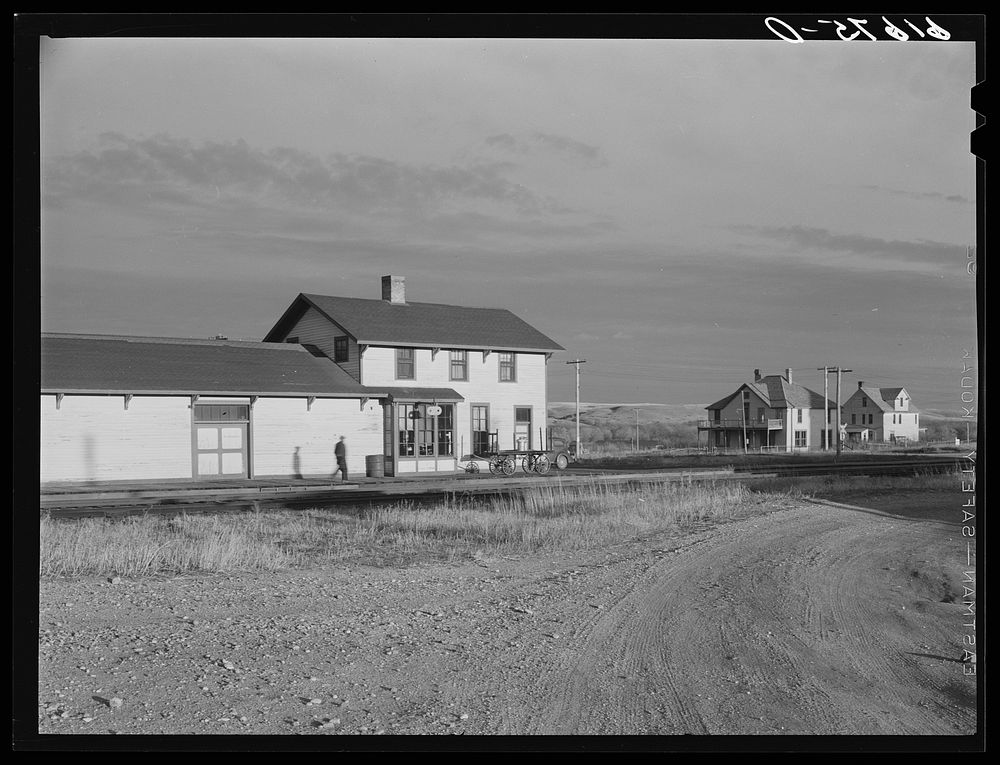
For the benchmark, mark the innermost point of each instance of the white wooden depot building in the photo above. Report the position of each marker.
(419, 385)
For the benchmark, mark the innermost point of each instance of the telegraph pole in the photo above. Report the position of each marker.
(577, 362)
(826, 409)
(826, 372)
(637, 430)
(839, 373)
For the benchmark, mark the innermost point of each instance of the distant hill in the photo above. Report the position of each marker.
(625, 413)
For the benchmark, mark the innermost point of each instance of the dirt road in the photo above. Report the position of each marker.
(805, 619)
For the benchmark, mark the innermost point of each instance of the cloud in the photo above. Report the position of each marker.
(919, 251)
(161, 168)
(548, 143)
(929, 195)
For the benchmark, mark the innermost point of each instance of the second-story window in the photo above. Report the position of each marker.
(404, 364)
(864, 401)
(459, 365)
(798, 415)
(340, 349)
(508, 369)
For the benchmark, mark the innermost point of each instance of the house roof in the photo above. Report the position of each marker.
(884, 398)
(104, 364)
(441, 395)
(778, 393)
(431, 325)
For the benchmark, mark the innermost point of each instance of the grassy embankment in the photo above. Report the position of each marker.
(541, 519)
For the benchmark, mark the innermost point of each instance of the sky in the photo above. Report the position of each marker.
(676, 212)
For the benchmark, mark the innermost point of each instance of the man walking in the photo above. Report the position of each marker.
(341, 451)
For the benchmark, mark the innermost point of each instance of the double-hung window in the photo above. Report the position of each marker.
(459, 361)
(404, 364)
(340, 349)
(508, 367)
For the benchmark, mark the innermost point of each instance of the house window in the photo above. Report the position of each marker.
(871, 419)
(221, 413)
(508, 370)
(480, 429)
(800, 438)
(864, 401)
(715, 414)
(853, 419)
(459, 365)
(798, 415)
(760, 414)
(779, 414)
(340, 349)
(424, 435)
(404, 364)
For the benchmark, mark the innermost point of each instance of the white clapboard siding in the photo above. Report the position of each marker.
(378, 368)
(94, 438)
(282, 425)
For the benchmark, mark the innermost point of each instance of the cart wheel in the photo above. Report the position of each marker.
(542, 464)
(528, 464)
(562, 461)
(508, 466)
(496, 461)
(473, 467)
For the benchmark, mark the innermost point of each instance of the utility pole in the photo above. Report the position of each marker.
(577, 362)
(839, 371)
(826, 409)
(637, 430)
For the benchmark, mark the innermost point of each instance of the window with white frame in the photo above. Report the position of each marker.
(800, 438)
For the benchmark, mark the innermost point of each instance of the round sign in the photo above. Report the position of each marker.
(433, 411)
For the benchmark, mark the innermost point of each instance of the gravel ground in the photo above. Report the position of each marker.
(805, 619)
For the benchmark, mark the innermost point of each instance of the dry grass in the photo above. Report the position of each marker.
(544, 518)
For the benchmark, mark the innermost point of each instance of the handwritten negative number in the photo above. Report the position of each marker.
(789, 34)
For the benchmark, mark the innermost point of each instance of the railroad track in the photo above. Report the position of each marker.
(421, 492)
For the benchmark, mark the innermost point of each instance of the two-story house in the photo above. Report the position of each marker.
(772, 413)
(880, 415)
(453, 375)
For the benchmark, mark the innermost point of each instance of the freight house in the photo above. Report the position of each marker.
(414, 387)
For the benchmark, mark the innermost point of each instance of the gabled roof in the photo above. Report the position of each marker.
(429, 325)
(779, 394)
(884, 398)
(105, 364)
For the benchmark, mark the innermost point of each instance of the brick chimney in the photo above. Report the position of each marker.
(861, 384)
(756, 375)
(788, 375)
(394, 289)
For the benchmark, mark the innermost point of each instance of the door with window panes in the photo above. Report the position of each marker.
(220, 440)
(522, 427)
